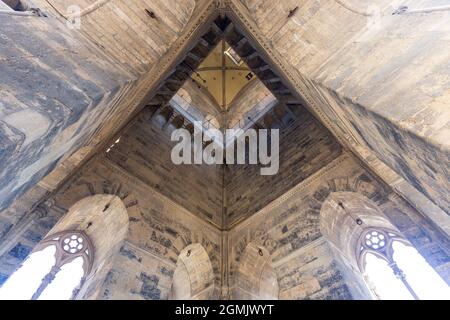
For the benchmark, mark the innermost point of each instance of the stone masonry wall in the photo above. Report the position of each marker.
(251, 101)
(288, 228)
(144, 151)
(197, 103)
(159, 230)
(383, 78)
(63, 88)
(305, 147)
(126, 32)
(54, 93)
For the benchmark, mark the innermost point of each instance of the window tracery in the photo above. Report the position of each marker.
(72, 257)
(389, 246)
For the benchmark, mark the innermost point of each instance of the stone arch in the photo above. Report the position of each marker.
(414, 227)
(354, 193)
(362, 184)
(104, 219)
(255, 276)
(258, 238)
(193, 278)
(344, 216)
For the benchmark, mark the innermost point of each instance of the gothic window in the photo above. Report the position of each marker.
(55, 270)
(395, 270)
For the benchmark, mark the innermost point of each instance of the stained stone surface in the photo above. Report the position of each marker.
(65, 94)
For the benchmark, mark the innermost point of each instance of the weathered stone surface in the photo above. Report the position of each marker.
(134, 40)
(250, 102)
(305, 147)
(76, 79)
(145, 152)
(382, 78)
(50, 83)
(79, 87)
(289, 229)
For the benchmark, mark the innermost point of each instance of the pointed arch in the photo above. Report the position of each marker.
(255, 277)
(81, 245)
(343, 217)
(372, 249)
(193, 278)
